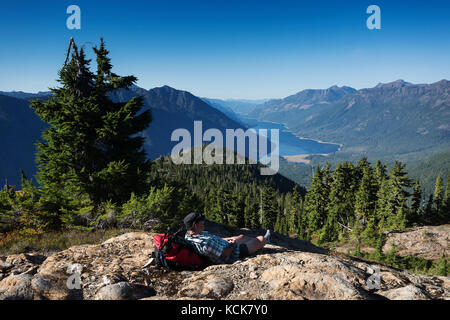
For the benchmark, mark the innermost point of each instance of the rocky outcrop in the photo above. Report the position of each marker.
(428, 242)
(285, 269)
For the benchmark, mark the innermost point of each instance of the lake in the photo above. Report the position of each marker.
(290, 144)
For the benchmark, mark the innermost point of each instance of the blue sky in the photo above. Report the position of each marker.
(231, 49)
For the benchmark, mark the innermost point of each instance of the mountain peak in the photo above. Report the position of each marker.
(167, 87)
(343, 89)
(441, 83)
(395, 84)
(172, 91)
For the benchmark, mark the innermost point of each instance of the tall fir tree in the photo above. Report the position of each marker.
(225, 201)
(365, 202)
(401, 217)
(316, 203)
(380, 173)
(395, 197)
(269, 207)
(365, 197)
(327, 176)
(362, 164)
(341, 203)
(92, 149)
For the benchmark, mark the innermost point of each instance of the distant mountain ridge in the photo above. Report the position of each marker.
(222, 107)
(398, 119)
(238, 106)
(172, 109)
(20, 127)
(391, 121)
(302, 100)
(25, 95)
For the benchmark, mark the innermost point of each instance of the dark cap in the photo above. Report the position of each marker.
(192, 218)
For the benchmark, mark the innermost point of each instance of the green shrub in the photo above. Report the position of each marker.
(159, 209)
(442, 267)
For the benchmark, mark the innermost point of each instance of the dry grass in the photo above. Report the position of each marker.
(13, 243)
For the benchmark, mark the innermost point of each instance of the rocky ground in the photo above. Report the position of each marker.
(428, 242)
(285, 269)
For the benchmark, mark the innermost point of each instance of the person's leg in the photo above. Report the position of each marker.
(254, 244)
(243, 239)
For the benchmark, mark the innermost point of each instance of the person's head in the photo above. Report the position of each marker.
(195, 222)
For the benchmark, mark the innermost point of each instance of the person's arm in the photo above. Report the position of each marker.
(232, 239)
(212, 248)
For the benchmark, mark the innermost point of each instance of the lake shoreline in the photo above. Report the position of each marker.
(301, 157)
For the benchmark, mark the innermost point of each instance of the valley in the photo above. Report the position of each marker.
(341, 124)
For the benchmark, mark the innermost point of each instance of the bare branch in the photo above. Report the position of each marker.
(345, 226)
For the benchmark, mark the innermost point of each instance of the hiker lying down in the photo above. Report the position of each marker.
(220, 250)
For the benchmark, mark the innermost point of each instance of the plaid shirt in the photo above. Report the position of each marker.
(212, 246)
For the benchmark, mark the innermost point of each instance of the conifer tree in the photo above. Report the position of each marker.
(379, 248)
(429, 215)
(438, 196)
(269, 208)
(341, 202)
(416, 209)
(357, 252)
(296, 221)
(327, 174)
(285, 222)
(442, 267)
(446, 202)
(281, 223)
(316, 203)
(401, 217)
(391, 257)
(251, 211)
(330, 230)
(360, 167)
(91, 147)
(225, 213)
(365, 202)
(209, 203)
(383, 206)
(365, 197)
(394, 196)
(238, 210)
(380, 173)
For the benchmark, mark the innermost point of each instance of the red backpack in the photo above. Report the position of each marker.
(172, 252)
